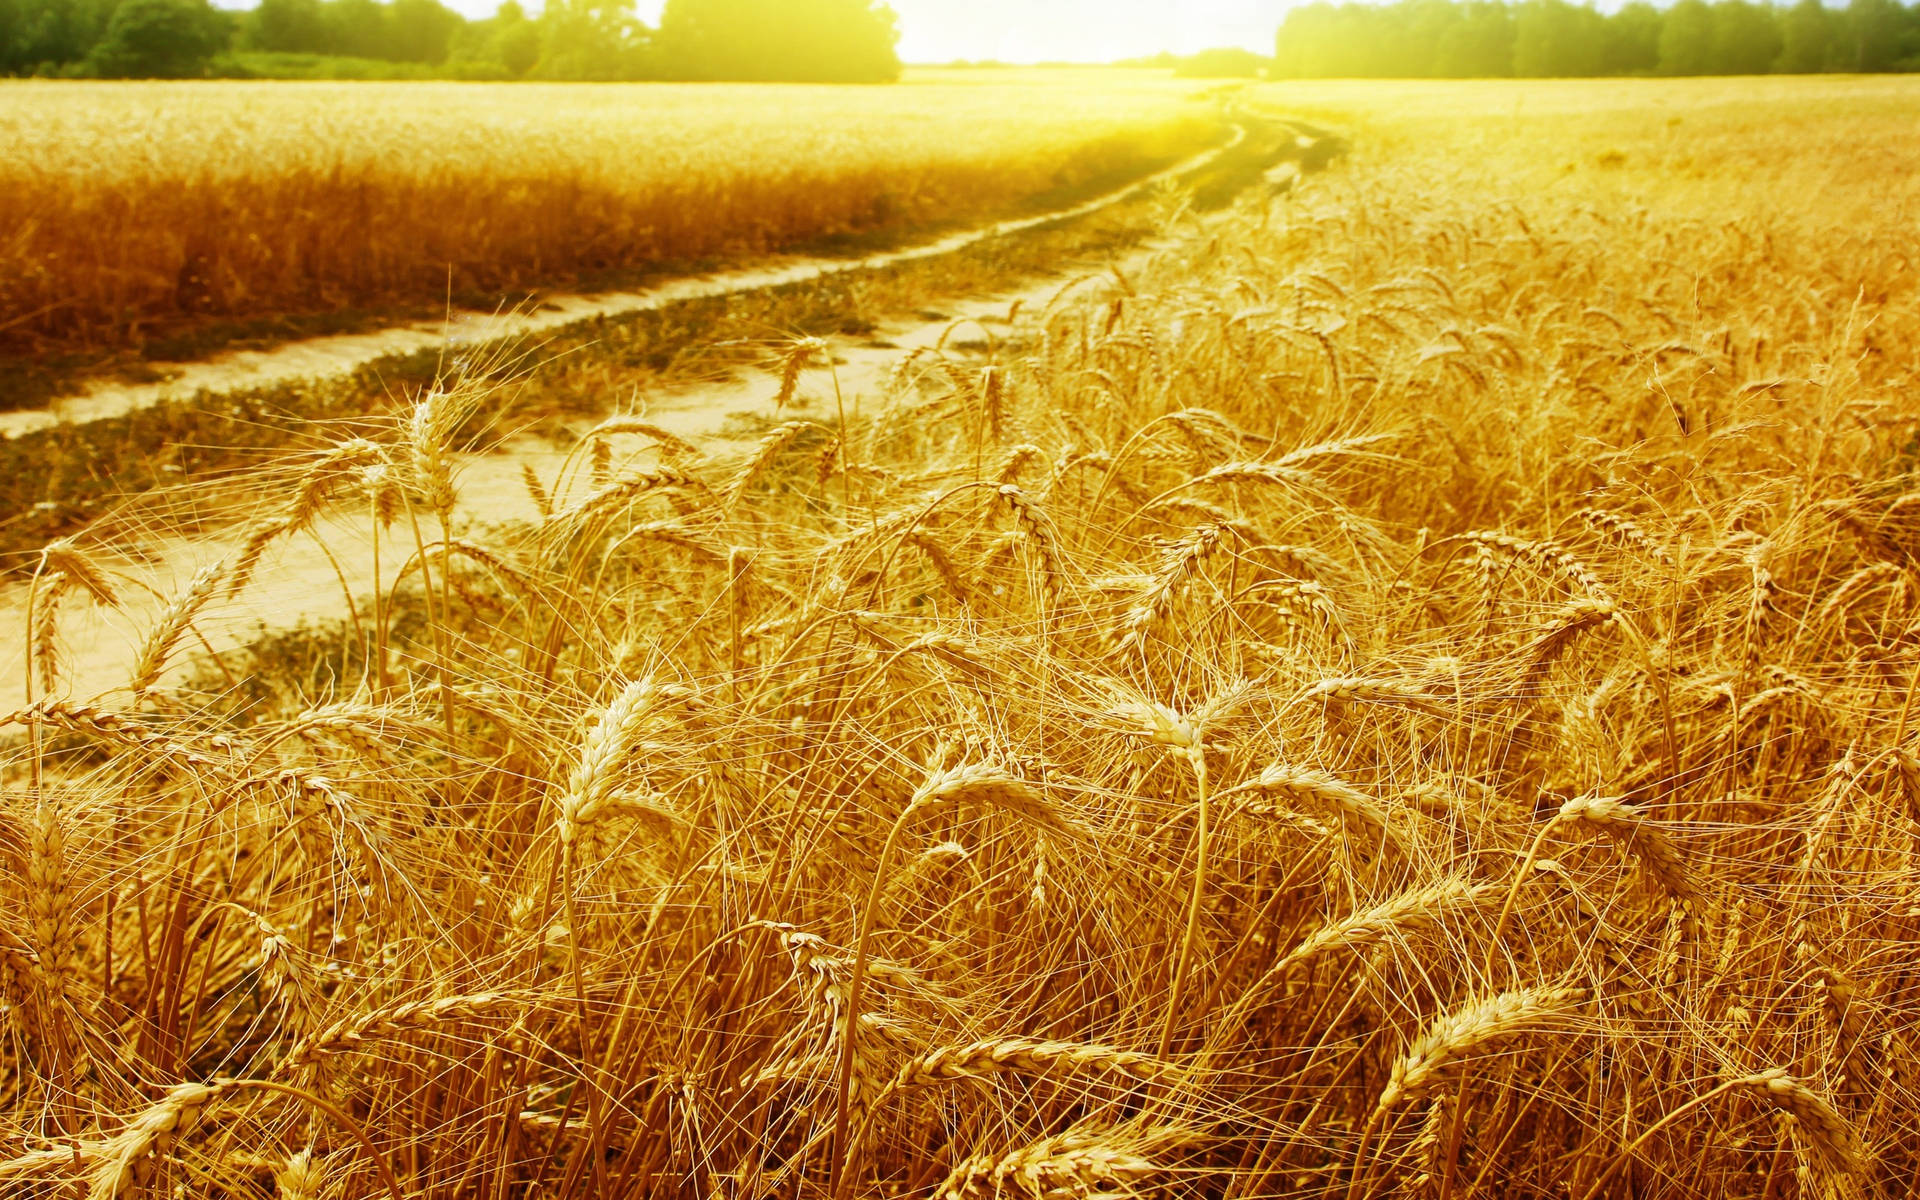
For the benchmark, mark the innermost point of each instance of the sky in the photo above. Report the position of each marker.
(1080, 30)
(1049, 30)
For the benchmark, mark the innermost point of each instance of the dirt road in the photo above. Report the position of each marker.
(316, 577)
(314, 358)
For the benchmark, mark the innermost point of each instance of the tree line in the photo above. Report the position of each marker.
(1416, 39)
(799, 40)
(854, 40)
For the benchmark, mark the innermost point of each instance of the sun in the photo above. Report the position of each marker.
(1079, 30)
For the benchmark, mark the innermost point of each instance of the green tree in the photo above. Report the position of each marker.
(1227, 62)
(1404, 36)
(1907, 43)
(1632, 45)
(1870, 38)
(357, 28)
(1686, 39)
(160, 39)
(51, 31)
(813, 41)
(1478, 45)
(1746, 38)
(515, 41)
(1419, 26)
(288, 26)
(1552, 38)
(1483, 38)
(591, 39)
(420, 31)
(1321, 41)
(1300, 45)
(10, 30)
(1806, 39)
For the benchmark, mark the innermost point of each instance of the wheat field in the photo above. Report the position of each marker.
(138, 210)
(1411, 694)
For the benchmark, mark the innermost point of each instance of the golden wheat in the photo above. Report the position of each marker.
(140, 204)
(1512, 517)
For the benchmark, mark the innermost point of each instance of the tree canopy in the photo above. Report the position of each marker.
(847, 41)
(159, 38)
(1227, 62)
(37, 33)
(822, 41)
(1468, 38)
(855, 40)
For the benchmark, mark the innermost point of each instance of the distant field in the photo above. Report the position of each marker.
(138, 208)
(1818, 151)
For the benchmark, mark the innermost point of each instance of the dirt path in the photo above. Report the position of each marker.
(311, 579)
(324, 357)
(316, 577)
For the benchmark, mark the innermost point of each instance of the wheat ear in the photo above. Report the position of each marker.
(1408, 911)
(1079, 1163)
(126, 1158)
(395, 1020)
(1831, 1141)
(536, 490)
(1640, 837)
(1309, 784)
(165, 635)
(764, 452)
(628, 486)
(49, 900)
(69, 559)
(798, 354)
(602, 754)
(301, 1179)
(1475, 1027)
(1044, 539)
(1030, 1056)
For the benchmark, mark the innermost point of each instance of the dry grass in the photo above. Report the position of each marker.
(1561, 841)
(132, 208)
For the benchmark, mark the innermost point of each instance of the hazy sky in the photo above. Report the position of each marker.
(1090, 30)
(1037, 30)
